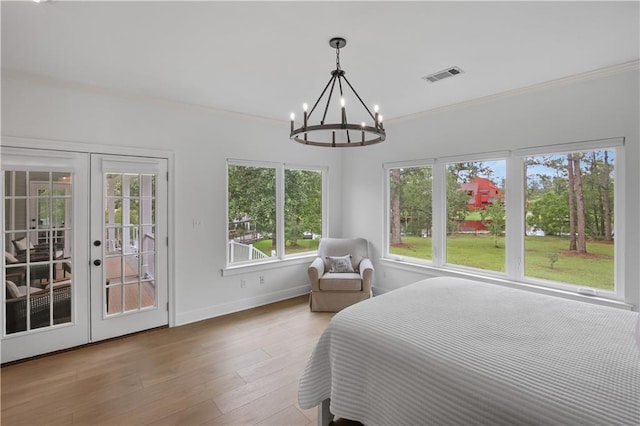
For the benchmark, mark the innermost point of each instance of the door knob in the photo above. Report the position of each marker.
(97, 243)
(97, 262)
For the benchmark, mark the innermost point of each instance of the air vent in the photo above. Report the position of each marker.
(441, 75)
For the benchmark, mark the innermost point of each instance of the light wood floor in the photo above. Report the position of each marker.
(240, 369)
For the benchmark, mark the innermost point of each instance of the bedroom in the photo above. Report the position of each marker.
(69, 109)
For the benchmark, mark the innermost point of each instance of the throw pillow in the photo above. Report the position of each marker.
(340, 263)
(12, 290)
(21, 244)
(9, 258)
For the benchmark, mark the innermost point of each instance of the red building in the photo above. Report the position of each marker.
(482, 192)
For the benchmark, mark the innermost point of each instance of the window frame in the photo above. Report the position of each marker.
(279, 168)
(515, 191)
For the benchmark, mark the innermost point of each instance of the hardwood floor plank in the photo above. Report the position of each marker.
(192, 415)
(259, 409)
(288, 416)
(238, 369)
(250, 391)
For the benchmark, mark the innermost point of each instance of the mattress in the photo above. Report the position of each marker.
(448, 351)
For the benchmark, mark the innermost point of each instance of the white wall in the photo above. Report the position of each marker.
(601, 105)
(201, 140)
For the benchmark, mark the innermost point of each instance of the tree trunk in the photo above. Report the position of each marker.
(608, 233)
(577, 177)
(572, 204)
(395, 207)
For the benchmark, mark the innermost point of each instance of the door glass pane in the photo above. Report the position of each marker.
(38, 234)
(129, 248)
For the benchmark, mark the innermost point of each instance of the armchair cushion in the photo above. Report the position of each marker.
(341, 281)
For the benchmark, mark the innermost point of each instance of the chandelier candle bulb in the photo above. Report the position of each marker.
(304, 108)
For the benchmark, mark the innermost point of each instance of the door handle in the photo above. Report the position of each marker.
(97, 262)
(97, 243)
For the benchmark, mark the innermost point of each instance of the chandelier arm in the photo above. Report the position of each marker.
(326, 108)
(344, 110)
(360, 99)
(321, 95)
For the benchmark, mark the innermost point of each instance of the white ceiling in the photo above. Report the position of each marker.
(267, 58)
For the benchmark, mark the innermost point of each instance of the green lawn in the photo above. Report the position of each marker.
(302, 246)
(594, 269)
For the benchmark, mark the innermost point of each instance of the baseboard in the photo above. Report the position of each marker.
(241, 305)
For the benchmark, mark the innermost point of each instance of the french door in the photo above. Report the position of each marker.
(85, 248)
(128, 245)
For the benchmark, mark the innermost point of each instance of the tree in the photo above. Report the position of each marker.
(493, 218)
(252, 195)
(416, 199)
(579, 196)
(410, 201)
(572, 203)
(395, 190)
(457, 201)
(606, 187)
(549, 212)
(302, 203)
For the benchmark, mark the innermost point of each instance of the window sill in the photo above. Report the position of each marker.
(422, 268)
(245, 268)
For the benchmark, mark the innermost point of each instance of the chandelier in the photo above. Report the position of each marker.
(338, 133)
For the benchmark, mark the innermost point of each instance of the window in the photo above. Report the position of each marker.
(569, 205)
(410, 211)
(558, 221)
(302, 210)
(476, 214)
(260, 197)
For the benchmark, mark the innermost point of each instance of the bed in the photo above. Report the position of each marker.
(450, 351)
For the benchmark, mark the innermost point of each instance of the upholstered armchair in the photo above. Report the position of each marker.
(341, 275)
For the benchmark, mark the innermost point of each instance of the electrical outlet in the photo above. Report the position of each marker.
(243, 283)
(261, 279)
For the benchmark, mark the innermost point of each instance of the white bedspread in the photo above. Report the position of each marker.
(449, 351)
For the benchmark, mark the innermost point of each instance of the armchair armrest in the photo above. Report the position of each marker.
(316, 270)
(366, 272)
